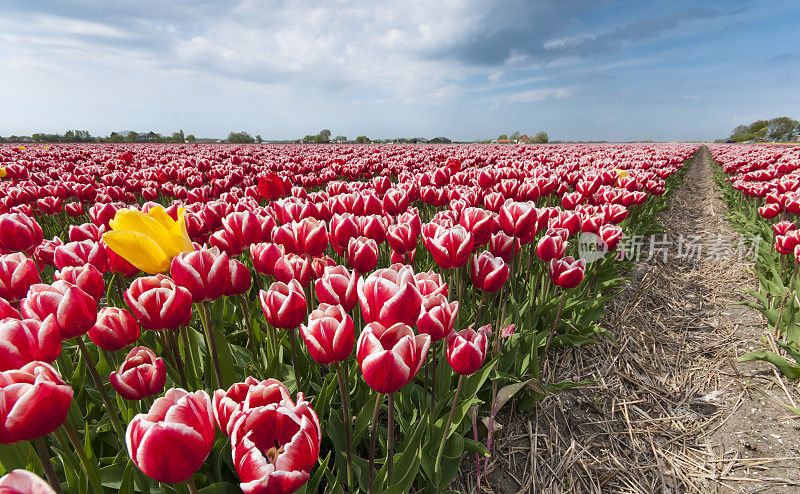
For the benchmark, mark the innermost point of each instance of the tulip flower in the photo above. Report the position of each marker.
(179, 421)
(204, 273)
(362, 254)
(451, 247)
(437, 317)
(329, 334)
(389, 358)
(80, 253)
(74, 209)
(35, 402)
(141, 374)
(466, 351)
(567, 272)
(338, 286)
(293, 267)
(149, 240)
(19, 232)
(430, 283)
(271, 186)
(284, 305)
(158, 303)
(75, 310)
(311, 236)
(23, 341)
(390, 296)
(45, 252)
(402, 238)
(226, 403)
(504, 246)
(239, 279)
(488, 273)
(551, 247)
(115, 329)
(23, 481)
(275, 446)
(17, 274)
(264, 257)
(343, 227)
(479, 222)
(85, 277)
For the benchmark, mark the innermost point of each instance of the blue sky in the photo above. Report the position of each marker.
(613, 70)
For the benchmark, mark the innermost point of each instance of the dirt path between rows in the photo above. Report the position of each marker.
(673, 410)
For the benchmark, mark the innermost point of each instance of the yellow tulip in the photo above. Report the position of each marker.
(148, 241)
(620, 174)
(3, 172)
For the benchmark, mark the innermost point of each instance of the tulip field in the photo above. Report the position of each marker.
(762, 187)
(343, 318)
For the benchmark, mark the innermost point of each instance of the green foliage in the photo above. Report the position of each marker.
(362, 140)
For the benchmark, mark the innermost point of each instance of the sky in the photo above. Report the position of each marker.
(579, 70)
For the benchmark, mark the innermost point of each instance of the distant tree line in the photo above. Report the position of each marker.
(518, 136)
(85, 136)
(779, 129)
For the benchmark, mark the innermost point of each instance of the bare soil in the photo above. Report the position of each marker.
(672, 409)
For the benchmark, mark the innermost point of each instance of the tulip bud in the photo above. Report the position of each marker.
(19, 232)
(551, 247)
(85, 277)
(430, 283)
(6, 310)
(362, 254)
(389, 358)
(239, 279)
(80, 253)
(203, 272)
(401, 238)
(27, 340)
(567, 272)
(17, 274)
(264, 257)
(24, 482)
(338, 286)
(488, 273)
(451, 247)
(284, 305)
(504, 246)
(46, 250)
(479, 222)
(466, 351)
(329, 334)
(437, 317)
(141, 374)
(75, 310)
(158, 303)
(292, 267)
(343, 227)
(74, 209)
(35, 402)
(311, 236)
(226, 403)
(178, 421)
(390, 296)
(115, 329)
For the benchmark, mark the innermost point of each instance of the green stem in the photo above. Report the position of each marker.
(89, 467)
(49, 471)
(110, 408)
(555, 323)
(245, 305)
(211, 342)
(294, 359)
(373, 430)
(188, 352)
(390, 438)
(446, 430)
(344, 390)
(191, 486)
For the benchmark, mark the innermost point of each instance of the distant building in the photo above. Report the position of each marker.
(523, 138)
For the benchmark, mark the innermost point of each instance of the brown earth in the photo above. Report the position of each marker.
(672, 410)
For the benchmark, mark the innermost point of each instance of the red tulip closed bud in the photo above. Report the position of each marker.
(362, 254)
(17, 274)
(115, 329)
(276, 445)
(551, 247)
(86, 231)
(343, 227)
(390, 296)
(158, 303)
(27, 340)
(24, 482)
(74, 209)
(19, 232)
(466, 351)
(430, 283)
(611, 235)
(284, 305)
(85, 277)
(437, 317)
(329, 334)
(519, 219)
(75, 310)
(402, 238)
(46, 250)
(179, 421)
(504, 246)
(35, 402)
(264, 256)
(338, 286)
(80, 253)
(203, 272)
(451, 247)
(239, 278)
(488, 273)
(141, 374)
(567, 272)
(292, 267)
(311, 236)
(479, 222)
(271, 186)
(390, 357)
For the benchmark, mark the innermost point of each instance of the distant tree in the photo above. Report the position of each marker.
(502, 136)
(781, 129)
(515, 136)
(178, 137)
(319, 139)
(325, 134)
(240, 138)
(440, 140)
(363, 140)
(116, 137)
(540, 138)
(191, 138)
(132, 136)
(259, 139)
(340, 138)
